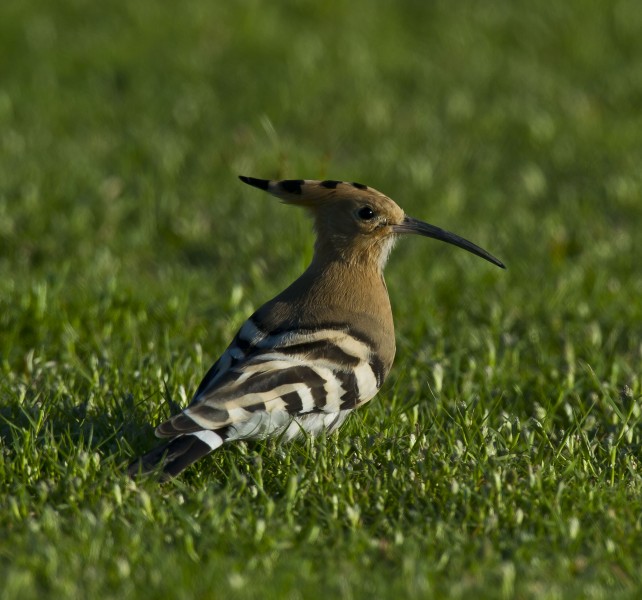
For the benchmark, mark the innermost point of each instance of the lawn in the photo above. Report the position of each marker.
(502, 458)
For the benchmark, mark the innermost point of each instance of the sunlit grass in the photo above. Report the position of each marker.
(502, 457)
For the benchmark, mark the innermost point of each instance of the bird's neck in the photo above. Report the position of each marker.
(352, 284)
(337, 291)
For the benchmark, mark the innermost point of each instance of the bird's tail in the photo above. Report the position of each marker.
(170, 459)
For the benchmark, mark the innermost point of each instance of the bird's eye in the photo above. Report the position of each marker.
(365, 213)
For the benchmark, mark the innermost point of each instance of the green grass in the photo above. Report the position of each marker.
(502, 457)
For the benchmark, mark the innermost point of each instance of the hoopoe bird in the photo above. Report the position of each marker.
(320, 349)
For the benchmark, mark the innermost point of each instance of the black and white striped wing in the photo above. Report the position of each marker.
(263, 380)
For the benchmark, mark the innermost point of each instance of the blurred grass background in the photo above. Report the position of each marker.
(502, 457)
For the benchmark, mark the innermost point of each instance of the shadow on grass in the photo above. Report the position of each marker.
(39, 416)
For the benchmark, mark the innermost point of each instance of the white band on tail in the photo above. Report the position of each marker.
(211, 438)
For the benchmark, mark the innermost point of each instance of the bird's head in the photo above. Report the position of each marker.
(355, 221)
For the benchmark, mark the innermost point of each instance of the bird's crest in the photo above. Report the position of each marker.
(311, 192)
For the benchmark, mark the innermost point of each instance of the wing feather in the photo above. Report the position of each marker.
(294, 372)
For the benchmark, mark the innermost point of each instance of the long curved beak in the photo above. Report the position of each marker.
(410, 225)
